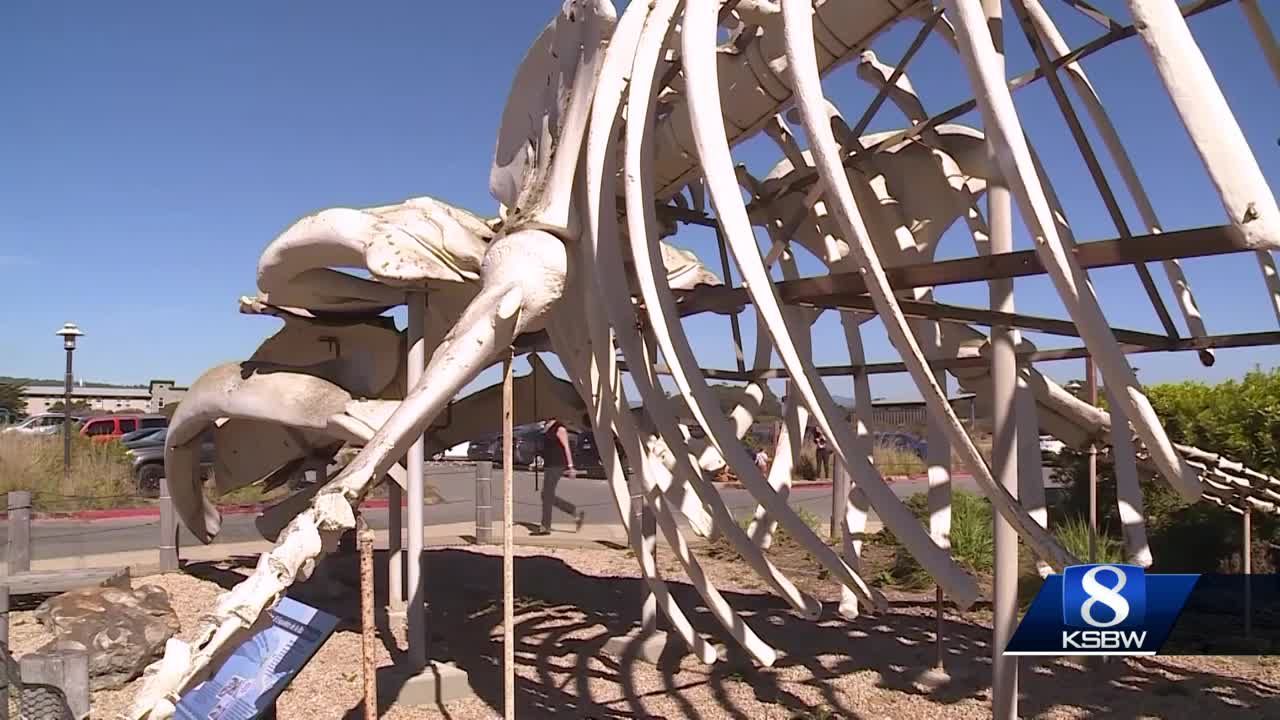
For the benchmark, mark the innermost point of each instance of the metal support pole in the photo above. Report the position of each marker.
(168, 530)
(1091, 392)
(364, 539)
(7, 687)
(19, 555)
(734, 324)
(395, 546)
(1004, 456)
(66, 425)
(484, 502)
(416, 461)
(645, 523)
(508, 549)
(1261, 31)
(1247, 562)
(839, 497)
(939, 471)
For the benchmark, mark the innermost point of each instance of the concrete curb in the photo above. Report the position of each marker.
(144, 562)
(826, 484)
(154, 511)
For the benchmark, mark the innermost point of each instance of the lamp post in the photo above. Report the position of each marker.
(69, 333)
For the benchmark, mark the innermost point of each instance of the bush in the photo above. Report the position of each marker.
(972, 544)
(1238, 419)
(1074, 536)
(806, 466)
(101, 474)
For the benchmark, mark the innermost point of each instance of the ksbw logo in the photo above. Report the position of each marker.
(1105, 609)
(1109, 602)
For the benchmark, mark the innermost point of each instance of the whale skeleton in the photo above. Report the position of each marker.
(617, 128)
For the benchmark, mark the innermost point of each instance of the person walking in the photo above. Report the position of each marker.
(823, 454)
(558, 462)
(762, 461)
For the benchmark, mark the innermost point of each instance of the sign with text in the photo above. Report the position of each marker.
(251, 679)
(1104, 609)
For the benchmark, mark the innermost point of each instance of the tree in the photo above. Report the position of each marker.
(12, 404)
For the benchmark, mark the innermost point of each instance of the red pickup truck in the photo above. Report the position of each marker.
(105, 428)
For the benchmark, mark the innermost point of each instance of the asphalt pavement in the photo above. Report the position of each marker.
(61, 538)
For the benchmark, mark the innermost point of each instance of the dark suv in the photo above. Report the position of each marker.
(148, 462)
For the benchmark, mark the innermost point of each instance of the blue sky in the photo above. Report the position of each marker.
(151, 150)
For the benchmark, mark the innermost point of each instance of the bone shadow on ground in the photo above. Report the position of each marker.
(554, 600)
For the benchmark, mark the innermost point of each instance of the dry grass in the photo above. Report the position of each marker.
(892, 460)
(101, 475)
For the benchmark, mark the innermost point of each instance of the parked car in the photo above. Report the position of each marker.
(105, 428)
(42, 424)
(1050, 447)
(138, 437)
(586, 456)
(528, 443)
(148, 462)
(481, 448)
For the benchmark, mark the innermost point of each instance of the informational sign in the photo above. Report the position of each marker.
(248, 683)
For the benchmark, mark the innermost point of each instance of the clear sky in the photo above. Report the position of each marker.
(150, 151)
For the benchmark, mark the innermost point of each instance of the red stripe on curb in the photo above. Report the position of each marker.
(154, 511)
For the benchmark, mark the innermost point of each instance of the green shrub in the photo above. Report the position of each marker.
(1238, 419)
(972, 544)
(1074, 536)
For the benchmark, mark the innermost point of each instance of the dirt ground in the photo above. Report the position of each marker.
(570, 601)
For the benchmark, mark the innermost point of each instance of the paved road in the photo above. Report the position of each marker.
(73, 538)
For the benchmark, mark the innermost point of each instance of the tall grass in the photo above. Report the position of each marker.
(894, 460)
(1074, 536)
(972, 544)
(101, 474)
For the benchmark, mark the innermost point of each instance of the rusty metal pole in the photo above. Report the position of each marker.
(1091, 391)
(364, 538)
(508, 549)
(1247, 558)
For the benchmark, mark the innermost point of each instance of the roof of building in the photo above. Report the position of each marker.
(83, 392)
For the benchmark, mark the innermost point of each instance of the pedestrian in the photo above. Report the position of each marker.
(762, 461)
(823, 453)
(558, 462)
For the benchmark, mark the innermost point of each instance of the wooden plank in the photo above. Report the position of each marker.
(42, 582)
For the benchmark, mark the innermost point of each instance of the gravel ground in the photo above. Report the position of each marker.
(571, 601)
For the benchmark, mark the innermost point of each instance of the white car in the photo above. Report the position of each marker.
(42, 424)
(1050, 445)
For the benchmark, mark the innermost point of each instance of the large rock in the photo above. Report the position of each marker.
(123, 629)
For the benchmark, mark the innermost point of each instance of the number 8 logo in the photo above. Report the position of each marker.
(1109, 596)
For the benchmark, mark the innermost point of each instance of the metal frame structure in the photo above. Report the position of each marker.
(586, 195)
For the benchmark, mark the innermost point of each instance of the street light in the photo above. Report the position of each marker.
(69, 333)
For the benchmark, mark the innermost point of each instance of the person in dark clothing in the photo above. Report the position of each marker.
(558, 462)
(822, 451)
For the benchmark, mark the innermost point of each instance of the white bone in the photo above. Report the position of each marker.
(1205, 114)
(1001, 123)
(799, 39)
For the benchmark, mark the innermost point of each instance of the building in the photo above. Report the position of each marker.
(152, 399)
